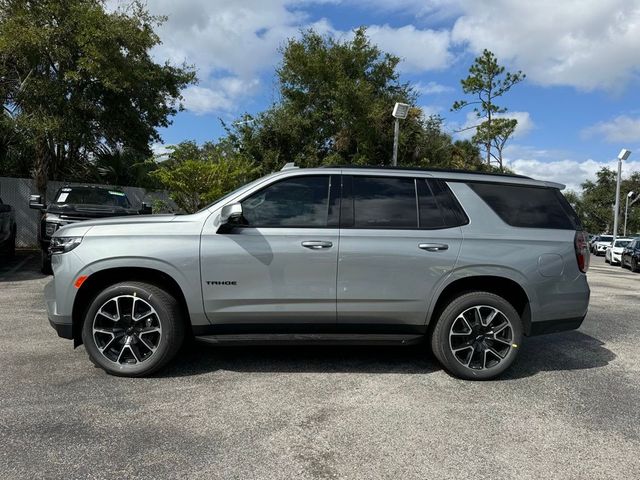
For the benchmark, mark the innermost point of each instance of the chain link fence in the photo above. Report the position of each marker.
(16, 191)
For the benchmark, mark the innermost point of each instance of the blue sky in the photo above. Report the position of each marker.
(578, 107)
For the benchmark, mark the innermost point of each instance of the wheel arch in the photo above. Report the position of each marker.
(101, 279)
(505, 287)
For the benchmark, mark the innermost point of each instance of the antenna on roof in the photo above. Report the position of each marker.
(289, 166)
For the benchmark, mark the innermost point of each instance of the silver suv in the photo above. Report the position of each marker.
(470, 262)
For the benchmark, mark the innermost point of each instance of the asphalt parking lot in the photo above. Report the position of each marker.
(569, 407)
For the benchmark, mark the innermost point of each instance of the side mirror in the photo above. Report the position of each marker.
(230, 216)
(146, 209)
(35, 201)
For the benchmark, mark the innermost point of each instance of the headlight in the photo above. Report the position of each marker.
(50, 228)
(63, 244)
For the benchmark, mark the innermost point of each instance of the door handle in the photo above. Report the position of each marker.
(317, 244)
(433, 247)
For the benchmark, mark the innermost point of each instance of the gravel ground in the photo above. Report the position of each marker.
(569, 407)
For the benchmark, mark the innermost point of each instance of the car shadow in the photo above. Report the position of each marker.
(560, 352)
(24, 266)
(564, 351)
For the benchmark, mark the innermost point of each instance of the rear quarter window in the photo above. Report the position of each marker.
(528, 207)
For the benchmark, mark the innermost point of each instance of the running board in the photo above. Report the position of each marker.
(312, 339)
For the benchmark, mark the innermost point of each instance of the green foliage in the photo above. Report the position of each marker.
(336, 98)
(487, 81)
(196, 176)
(76, 78)
(594, 204)
(121, 166)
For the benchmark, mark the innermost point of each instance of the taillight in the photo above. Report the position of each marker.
(581, 244)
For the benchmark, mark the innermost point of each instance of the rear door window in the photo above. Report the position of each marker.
(529, 207)
(384, 202)
(438, 207)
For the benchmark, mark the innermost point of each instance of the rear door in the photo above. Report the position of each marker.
(399, 238)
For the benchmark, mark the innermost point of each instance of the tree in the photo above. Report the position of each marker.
(335, 102)
(487, 81)
(594, 204)
(75, 78)
(206, 174)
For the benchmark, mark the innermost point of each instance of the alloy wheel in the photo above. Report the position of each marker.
(126, 330)
(481, 337)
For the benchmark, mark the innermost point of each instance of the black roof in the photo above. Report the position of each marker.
(421, 169)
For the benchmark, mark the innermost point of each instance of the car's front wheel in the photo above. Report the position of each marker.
(133, 329)
(634, 265)
(477, 336)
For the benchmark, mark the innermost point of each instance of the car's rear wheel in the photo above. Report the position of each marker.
(45, 263)
(8, 249)
(133, 329)
(477, 336)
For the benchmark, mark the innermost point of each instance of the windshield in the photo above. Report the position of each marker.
(622, 243)
(92, 196)
(605, 238)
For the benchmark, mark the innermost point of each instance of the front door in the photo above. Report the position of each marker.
(281, 266)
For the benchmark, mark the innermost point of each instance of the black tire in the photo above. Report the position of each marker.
(9, 248)
(45, 264)
(606, 261)
(168, 315)
(634, 265)
(442, 348)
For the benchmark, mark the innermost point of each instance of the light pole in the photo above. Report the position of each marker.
(626, 214)
(400, 111)
(623, 155)
(626, 211)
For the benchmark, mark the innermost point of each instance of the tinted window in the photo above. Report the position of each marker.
(605, 238)
(381, 202)
(438, 207)
(522, 206)
(295, 202)
(430, 214)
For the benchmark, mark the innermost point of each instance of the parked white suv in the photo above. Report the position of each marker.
(613, 252)
(600, 245)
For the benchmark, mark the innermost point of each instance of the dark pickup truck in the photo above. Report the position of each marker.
(73, 204)
(7, 230)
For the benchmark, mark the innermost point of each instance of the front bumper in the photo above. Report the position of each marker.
(61, 323)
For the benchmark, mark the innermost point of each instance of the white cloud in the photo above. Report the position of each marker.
(587, 44)
(428, 110)
(566, 171)
(420, 50)
(621, 129)
(432, 88)
(219, 96)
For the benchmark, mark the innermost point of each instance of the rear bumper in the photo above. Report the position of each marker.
(62, 324)
(554, 326)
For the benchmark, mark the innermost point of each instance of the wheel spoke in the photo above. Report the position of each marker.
(465, 347)
(148, 346)
(505, 342)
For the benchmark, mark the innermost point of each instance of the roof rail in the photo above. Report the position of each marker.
(288, 166)
(422, 169)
